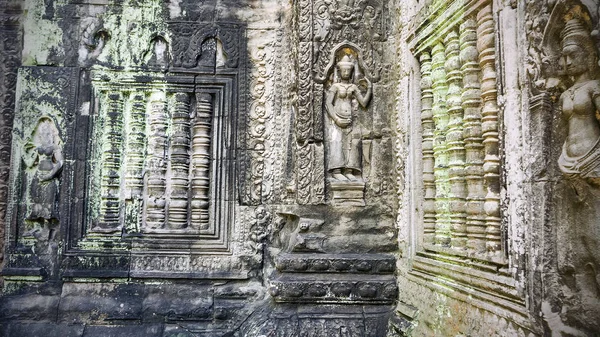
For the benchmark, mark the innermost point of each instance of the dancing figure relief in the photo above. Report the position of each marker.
(580, 104)
(43, 161)
(342, 132)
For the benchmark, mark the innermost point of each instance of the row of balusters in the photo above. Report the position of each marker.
(156, 148)
(459, 116)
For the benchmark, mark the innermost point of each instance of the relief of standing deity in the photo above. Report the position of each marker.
(43, 161)
(342, 132)
(580, 103)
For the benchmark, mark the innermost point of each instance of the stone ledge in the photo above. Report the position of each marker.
(336, 263)
(340, 288)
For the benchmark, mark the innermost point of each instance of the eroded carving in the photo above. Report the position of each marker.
(43, 160)
(343, 135)
(580, 103)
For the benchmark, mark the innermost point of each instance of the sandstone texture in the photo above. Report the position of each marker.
(299, 168)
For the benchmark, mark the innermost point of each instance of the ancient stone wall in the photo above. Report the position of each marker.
(490, 217)
(299, 168)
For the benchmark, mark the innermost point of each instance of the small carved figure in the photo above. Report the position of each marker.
(44, 160)
(343, 136)
(580, 104)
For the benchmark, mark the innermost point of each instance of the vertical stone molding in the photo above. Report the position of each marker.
(112, 142)
(156, 165)
(456, 145)
(471, 104)
(180, 162)
(428, 126)
(135, 145)
(200, 166)
(440, 145)
(491, 166)
(10, 59)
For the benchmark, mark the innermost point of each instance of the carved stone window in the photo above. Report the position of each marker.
(460, 149)
(159, 148)
(461, 245)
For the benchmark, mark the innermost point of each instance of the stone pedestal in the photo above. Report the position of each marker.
(348, 193)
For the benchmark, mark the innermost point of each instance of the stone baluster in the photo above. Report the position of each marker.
(135, 146)
(180, 162)
(201, 158)
(440, 146)
(156, 164)
(110, 183)
(491, 166)
(471, 103)
(427, 148)
(456, 145)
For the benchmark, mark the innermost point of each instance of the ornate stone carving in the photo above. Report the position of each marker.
(341, 129)
(459, 119)
(258, 134)
(334, 278)
(580, 103)
(194, 44)
(347, 96)
(322, 27)
(260, 229)
(10, 59)
(43, 158)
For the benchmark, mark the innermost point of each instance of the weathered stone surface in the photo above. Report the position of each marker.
(299, 168)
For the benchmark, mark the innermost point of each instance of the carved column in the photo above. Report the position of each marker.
(156, 165)
(180, 163)
(112, 140)
(305, 165)
(135, 146)
(491, 166)
(10, 59)
(440, 146)
(456, 145)
(471, 103)
(200, 170)
(427, 148)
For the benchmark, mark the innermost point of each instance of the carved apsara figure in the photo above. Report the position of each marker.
(343, 136)
(44, 160)
(580, 104)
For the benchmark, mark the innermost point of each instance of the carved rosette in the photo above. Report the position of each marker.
(259, 141)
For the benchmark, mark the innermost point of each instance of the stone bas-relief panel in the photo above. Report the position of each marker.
(44, 113)
(328, 30)
(563, 72)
